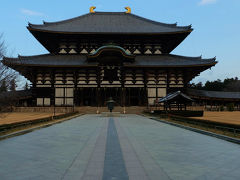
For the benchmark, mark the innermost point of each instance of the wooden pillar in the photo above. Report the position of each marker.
(145, 81)
(98, 72)
(156, 83)
(139, 95)
(123, 89)
(129, 96)
(104, 92)
(185, 76)
(52, 98)
(168, 81)
(97, 97)
(75, 80)
(64, 82)
(81, 92)
(93, 96)
(123, 96)
(211, 104)
(34, 87)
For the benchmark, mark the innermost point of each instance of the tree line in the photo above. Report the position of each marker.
(228, 84)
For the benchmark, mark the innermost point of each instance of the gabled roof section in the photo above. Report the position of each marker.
(176, 96)
(214, 94)
(109, 22)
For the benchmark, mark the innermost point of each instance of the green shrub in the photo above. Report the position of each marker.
(230, 107)
(221, 108)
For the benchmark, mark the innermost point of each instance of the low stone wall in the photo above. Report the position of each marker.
(123, 110)
(82, 109)
(44, 109)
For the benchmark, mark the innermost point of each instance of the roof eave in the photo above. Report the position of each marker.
(138, 33)
(173, 66)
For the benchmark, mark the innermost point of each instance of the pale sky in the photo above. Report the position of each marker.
(216, 26)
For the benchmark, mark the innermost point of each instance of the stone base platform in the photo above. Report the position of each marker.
(82, 109)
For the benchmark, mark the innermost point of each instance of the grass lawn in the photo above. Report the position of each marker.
(225, 117)
(13, 117)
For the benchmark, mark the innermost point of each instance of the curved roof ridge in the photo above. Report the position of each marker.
(20, 57)
(191, 57)
(39, 55)
(58, 22)
(174, 25)
(26, 57)
(161, 23)
(9, 58)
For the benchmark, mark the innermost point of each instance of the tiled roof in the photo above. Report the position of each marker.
(176, 96)
(109, 22)
(214, 94)
(169, 60)
(14, 95)
(81, 60)
(48, 60)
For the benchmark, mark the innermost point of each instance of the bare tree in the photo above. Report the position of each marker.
(26, 86)
(6, 74)
(7, 81)
(2, 46)
(12, 85)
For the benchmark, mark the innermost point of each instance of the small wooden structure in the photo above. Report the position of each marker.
(177, 101)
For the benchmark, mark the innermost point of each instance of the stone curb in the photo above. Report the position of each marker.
(226, 138)
(25, 131)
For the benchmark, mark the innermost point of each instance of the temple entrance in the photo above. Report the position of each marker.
(85, 97)
(136, 97)
(99, 96)
(106, 93)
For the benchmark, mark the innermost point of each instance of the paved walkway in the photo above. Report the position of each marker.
(128, 147)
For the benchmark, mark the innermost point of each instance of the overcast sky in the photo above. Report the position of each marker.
(216, 26)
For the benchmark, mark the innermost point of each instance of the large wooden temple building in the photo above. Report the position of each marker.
(107, 54)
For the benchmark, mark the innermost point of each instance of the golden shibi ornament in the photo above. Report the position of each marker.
(92, 9)
(128, 10)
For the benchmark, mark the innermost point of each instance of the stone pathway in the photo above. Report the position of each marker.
(128, 147)
(114, 166)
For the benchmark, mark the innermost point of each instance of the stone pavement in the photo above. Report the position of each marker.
(128, 147)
